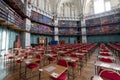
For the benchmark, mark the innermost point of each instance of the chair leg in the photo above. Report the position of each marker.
(68, 74)
(49, 62)
(40, 75)
(81, 65)
(73, 73)
(20, 70)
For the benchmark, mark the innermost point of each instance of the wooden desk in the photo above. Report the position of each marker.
(40, 49)
(31, 60)
(28, 50)
(37, 52)
(113, 66)
(28, 61)
(50, 55)
(84, 51)
(80, 54)
(20, 56)
(68, 49)
(108, 57)
(72, 59)
(95, 77)
(106, 52)
(16, 48)
(53, 70)
(49, 50)
(61, 52)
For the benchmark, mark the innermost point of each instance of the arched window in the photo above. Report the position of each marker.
(107, 6)
(101, 6)
(98, 6)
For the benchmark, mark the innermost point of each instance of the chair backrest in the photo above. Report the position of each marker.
(62, 63)
(53, 52)
(105, 54)
(73, 55)
(38, 56)
(80, 51)
(105, 50)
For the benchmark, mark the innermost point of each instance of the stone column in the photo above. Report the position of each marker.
(56, 37)
(83, 31)
(25, 35)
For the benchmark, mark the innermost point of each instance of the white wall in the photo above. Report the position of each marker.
(89, 7)
(68, 9)
(114, 3)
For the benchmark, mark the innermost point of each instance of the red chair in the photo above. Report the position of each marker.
(62, 63)
(31, 52)
(32, 67)
(107, 60)
(53, 52)
(38, 56)
(73, 64)
(10, 58)
(42, 52)
(63, 76)
(63, 55)
(19, 62)
(109, 74)
(105, 54)
(51, 59)
(80, 51)
(17, 52)
(105, 50)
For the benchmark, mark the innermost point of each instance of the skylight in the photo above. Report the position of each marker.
(99, 6)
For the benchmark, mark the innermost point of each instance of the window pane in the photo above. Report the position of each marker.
(9, 33)
(98, 6)
(0, 38)
(7, 39)
(4, 39)
(107, 6)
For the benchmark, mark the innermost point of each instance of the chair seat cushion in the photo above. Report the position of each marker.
(61, 77)
(106, 60)
(63, 54)
(105, 54)
(72, 64)
(32, 66)
(81, 58)
(10, 57)
(38, 61)
(110, 75)
(19, 61)
(51, 58)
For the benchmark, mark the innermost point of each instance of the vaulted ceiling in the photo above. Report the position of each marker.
(78, 5)
(67, 8)
(59, 6)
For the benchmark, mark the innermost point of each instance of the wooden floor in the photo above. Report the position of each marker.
(6, 73)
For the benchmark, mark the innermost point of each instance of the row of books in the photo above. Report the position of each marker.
(67, 23)
(40, 28)
(40, 18)
(115, 18)
(104, 29)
